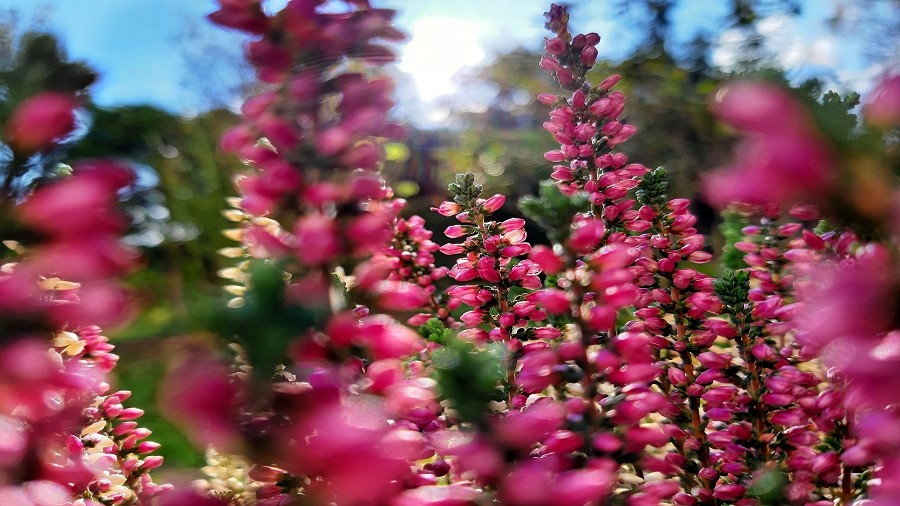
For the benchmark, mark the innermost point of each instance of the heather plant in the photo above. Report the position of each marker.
(612, 365)
(604, 367)
(68, 437)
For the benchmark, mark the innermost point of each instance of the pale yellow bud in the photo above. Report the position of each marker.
(232, 252)
(234, 215)
(235, 234)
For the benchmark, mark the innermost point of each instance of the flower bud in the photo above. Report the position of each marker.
(40, 120)
(555, 46)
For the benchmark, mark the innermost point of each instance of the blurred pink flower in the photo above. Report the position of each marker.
(40, 120)
(882, 109)
(781, 157)
(202, 397)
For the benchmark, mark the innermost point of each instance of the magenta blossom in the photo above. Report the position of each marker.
(781, 158)
(41, 120)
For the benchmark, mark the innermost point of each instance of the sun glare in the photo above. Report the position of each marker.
(438, 49)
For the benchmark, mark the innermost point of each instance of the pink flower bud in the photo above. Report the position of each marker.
(789, 417)
(825, 463)
(537, 371)
(129, 442)
(512, 224)
(452, 249)
(401, 296)
(606, 442)
(729, 492)
(318, 241)
(521, 429)
(487, 270)
(405, 444)
(609, 82)
(455, 231)
(364, 155)
(586, 235)
(718, 395)
(555, 301)
(565, 77)
(550, 64)
(563, 441)
(384, 373)
(707, 377)
(634, 373)
(388, 339)
(494, 203)
(639, 437)
(752, 105)
(805, 212)
(448, 208)
(581, 486)
(40, 120)
(546, 259)
(547, 98)
(676, 376)
(684, 499)
(147, 447)
(712, 360)
(555, 46)
(73, 445)
(131, 413)
(578, 103)
(151, 462)
(579, 41)
(515, 250)
(588, 56)
(602, 317)
(124, 428)
(333, 141)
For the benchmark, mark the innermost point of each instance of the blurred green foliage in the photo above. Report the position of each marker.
(33, 63)
(468, 377)
(553, 211)
(267, 323)
(141, 370)
(731, 229)
(183, 182)
(175, 209)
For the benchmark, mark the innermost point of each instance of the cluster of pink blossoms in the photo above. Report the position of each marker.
(342, 418)
(845, 286)
(606, 367)
(603, 368)
(66, 439)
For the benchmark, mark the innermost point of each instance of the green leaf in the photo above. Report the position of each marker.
(435, 331)
(469, 377)
(732, 229)
(733, 289)
(652, 189)
(266, 324)
(464, 191)
(768, 487)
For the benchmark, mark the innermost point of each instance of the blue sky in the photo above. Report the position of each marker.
(134, 44)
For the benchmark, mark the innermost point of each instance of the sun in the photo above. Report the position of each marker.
(438, 48)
